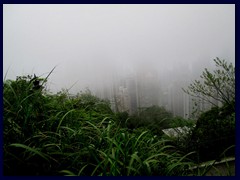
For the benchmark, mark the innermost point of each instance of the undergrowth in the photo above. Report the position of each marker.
(57, 134)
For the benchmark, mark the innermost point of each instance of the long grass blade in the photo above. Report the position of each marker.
(32, 150)
(59, 124)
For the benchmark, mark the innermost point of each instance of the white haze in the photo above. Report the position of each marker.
(91, 45)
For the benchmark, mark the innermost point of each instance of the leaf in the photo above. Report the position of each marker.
(68, 173)
(32, 150)
(59, 124)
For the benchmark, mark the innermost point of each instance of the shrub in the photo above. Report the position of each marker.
(154, 118)
(214, 132)
(180, 122)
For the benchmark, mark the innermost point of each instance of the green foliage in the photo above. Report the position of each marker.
(214, 132)
(215, 129)
(23, 107)
(59, 134)
(183, 138)
(216, 86)
(154, 118)
(87, 101)
(122, 118)
(181, 122)
(64, 135)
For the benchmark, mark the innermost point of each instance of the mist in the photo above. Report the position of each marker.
(157, 48)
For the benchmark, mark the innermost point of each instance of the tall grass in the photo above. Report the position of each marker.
(48, 134)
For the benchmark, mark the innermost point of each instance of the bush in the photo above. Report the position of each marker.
(154, 118)
(181, 122)
(23, 107)
(214, 133)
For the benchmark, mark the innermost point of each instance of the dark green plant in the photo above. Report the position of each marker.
(23, 107)
(154, 118)
(181, 122)
(214, 132)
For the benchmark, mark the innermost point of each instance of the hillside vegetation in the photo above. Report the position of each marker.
(57, 134)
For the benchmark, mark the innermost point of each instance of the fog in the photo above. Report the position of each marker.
(98, 46)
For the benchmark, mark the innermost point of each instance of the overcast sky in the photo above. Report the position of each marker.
(90, 44)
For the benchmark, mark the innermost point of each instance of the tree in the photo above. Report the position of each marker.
(216, 86)
(215, 129)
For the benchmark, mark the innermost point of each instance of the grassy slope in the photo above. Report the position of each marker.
(48, 134)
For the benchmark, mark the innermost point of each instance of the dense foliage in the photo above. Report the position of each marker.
(213, 134)
(154, 118)
(57, 134)
(215, 129)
